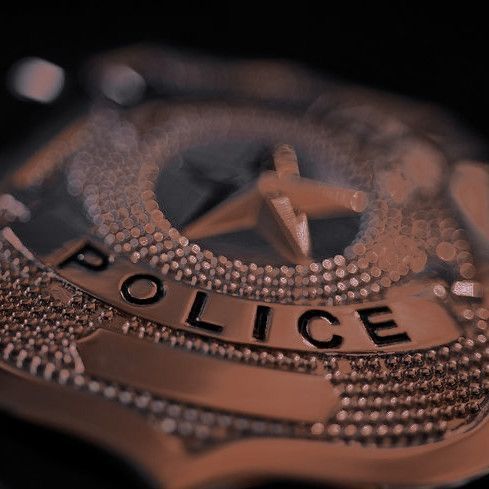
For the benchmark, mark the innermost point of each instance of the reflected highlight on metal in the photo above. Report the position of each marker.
(36, 79)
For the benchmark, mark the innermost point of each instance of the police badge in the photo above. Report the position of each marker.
(226, 272)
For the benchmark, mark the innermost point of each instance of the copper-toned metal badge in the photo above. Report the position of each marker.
(251, 273)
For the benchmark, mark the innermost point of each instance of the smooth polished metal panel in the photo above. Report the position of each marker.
(205, 381)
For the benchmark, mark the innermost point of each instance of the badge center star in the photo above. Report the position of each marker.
(278, 205)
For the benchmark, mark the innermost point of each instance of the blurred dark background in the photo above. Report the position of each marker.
(436, 55)
(439, 56)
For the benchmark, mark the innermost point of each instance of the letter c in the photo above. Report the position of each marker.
(304, 329)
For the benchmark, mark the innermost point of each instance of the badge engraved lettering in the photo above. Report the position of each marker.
(305, 330)
(373, 327)
(262, 323)
(274, 325)
(142, 289)
(88, 256)
(196, 311)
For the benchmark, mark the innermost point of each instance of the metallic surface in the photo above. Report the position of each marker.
(262, 282)
(200, 380)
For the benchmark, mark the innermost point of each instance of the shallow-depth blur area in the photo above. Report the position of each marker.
(233, 148)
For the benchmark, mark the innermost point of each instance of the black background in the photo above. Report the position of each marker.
(440, 56)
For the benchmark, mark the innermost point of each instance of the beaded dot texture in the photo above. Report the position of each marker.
(407, 228)
(408, 231)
